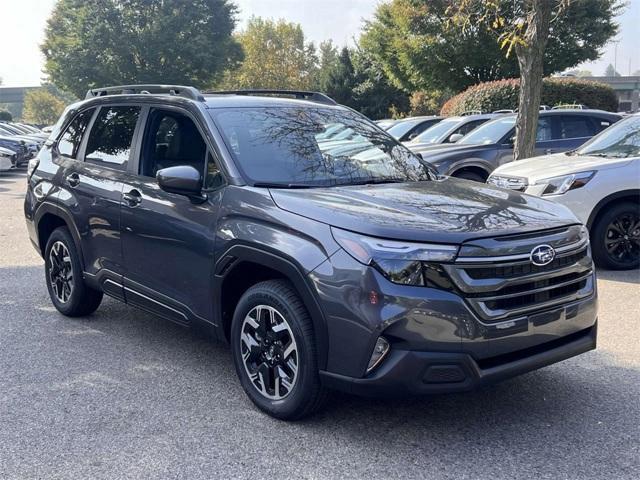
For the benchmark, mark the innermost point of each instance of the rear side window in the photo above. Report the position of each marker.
(69, 142)
(545, 130)
(469, 126)
(111, 135)
(575, 126)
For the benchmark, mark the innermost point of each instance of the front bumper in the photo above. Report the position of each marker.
(406, 372)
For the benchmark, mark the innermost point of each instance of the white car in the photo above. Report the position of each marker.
(7, 159)
(599, 182)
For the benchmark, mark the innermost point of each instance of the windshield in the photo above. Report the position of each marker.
(400, 128)
(620, 140)
(433, 134)
(289, 147)
(490, 132)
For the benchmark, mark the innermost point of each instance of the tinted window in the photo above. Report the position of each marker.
(435, 133)
(490, 132)
(214, 178)
(545, 130)
(620, 141)
(469, 126)
(111, 135)
(172, 139)
(290, 146)
(575, 126)
(69, 143)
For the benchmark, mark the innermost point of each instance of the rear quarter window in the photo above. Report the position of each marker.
(69, 142)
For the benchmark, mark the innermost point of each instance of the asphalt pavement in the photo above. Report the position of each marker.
(124, 394)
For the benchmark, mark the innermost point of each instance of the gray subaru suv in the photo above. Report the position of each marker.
(323, 251)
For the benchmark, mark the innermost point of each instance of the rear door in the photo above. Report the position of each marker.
(167, 239)
(93, 177)
(546, 135)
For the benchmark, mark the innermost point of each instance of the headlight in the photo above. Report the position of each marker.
(400, 262)
(560, 185)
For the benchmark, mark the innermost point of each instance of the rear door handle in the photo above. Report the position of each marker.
(133, 197)
(73, 179)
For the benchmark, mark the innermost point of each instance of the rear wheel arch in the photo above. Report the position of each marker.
(49, 217)
(243, 266)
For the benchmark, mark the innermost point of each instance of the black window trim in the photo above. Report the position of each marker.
(136, 162)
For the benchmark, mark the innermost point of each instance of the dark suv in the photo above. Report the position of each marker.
(324, 263)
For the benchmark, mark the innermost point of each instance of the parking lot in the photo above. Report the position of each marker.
(125, 394)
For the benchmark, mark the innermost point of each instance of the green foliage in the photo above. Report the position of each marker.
(328, 57)
(503, 94)
(428, 102)
(41, 107)
(5, 115)
(341, 79)
(92, 43)
(413, 42)
(276, 56)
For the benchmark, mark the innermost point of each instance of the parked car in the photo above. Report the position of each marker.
(409, 128)
(24, 152)
(356, 270)
(599, 182)
(449, 130)
(7, 159)
(385, 123)
(476, 155)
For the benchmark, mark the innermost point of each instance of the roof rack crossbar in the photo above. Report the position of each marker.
(177, 90)
(299, 94)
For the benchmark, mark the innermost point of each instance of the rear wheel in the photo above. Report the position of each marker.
(63, 271)
(615, 237)
(274, 351)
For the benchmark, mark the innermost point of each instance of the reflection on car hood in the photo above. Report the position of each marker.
(446, 211)
(428, 149)
(546, 166)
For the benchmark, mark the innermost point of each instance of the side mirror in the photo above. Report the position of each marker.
(455, 137)
(183, 180)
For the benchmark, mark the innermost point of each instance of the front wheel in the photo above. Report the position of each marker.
(615, 237)
(274, 351)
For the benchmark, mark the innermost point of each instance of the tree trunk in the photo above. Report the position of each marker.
(530, 61)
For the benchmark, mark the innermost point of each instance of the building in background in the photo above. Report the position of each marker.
(627, 89)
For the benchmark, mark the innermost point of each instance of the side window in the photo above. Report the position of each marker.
(172, 139)
(467, 127)
(544, 132)
(69, 142)
(111, 135)
(600, 124)
(575, 126)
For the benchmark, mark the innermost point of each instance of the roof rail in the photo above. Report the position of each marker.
(471, 112)
(298, 94)
(177, 90)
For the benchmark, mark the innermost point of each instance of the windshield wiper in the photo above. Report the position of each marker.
(376, 181)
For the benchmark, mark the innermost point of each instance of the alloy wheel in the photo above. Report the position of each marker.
(269, 352)
(622, 238)
(61, 272)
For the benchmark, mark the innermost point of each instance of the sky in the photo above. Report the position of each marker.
(23, 23)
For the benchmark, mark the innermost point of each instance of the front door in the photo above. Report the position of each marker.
(167, 239)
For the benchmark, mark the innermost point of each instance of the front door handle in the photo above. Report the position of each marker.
(73, 179)
(133, 197)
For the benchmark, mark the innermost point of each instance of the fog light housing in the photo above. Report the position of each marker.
(379, 352)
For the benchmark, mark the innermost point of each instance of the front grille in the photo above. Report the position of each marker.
(514, 271)
(503, 287)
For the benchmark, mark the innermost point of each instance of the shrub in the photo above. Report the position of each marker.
(428, 102)
(5, 116)
(503, 94)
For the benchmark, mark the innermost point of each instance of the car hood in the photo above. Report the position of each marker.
(547, 166)
(444, 211)
(434, 151)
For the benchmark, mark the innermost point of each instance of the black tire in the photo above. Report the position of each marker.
(81, 300)
(612, 225)
(307, 394)
(468, 175)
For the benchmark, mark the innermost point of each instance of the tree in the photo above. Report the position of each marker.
(92, 43)
(341, 80)
(5, 115)
(328, 57)
(417, 48)
(276, 56)
(611, 71)
(41, 107)
(524, 27)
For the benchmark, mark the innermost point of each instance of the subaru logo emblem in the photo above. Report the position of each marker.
(542, 255)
